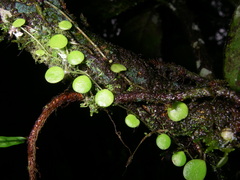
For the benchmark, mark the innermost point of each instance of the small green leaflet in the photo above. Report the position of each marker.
(117, 68)
(7, 141)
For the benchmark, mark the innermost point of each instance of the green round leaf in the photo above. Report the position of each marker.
(195, 169)
(75, 57)
(82, 84)
(54, 74)
(117, 68)
(179, 158)
(58, 41)
(104, 98)
(40, 52)
(177, 111)
(131, 121)
(19, 22)
(163, 141)
(65, 25)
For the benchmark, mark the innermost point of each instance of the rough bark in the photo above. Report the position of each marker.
(146, 89)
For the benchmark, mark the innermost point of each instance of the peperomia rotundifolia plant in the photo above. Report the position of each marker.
(175, 104)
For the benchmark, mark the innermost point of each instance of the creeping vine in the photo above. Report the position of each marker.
(64, 98)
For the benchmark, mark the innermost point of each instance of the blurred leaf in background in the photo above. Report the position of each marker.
(7, 141)
(232, 54)
(144, 33)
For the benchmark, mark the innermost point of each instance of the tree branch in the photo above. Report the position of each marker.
(144, 89)
(164, 97)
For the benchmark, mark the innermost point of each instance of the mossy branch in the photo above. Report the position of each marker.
(145, 89)
(162, 98)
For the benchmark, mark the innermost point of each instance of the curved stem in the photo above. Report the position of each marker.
(35, 40)
(66, 97)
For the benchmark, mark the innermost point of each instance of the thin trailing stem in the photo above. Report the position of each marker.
(66, 97)
(118, 133)
(35, 40)
(139, 144)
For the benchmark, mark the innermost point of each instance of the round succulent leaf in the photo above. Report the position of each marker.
(39, 52)
(65, 25)
(179, 158)
(104, 98)
(195, 169)
(75, 57)
(132, 121)
(54, 74)
(82, 84)
(117, 68)
(163, 141)
(19, 22)
(178, 111)
(58, 41)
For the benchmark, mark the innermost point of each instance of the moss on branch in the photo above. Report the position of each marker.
(145, 89)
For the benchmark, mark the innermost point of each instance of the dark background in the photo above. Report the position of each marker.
(73, 145)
